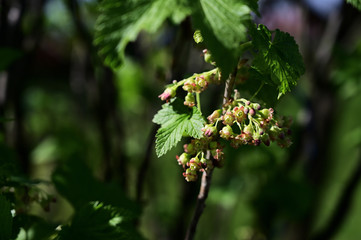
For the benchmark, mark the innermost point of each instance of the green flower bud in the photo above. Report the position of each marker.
(183, 159)
(214, 116)
(226, 132)
(189, 100)
(228, 118)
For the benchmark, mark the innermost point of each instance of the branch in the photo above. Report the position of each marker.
(201, 202)
(343, 207)
(207, 175)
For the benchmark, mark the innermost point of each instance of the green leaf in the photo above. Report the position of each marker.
(120, 22)
(277, 57)
(97, 221)
(33, 228)
(222, 24)
(253, 5)
(176, 120)
(76, 183)
(355, 3)
(5, 218)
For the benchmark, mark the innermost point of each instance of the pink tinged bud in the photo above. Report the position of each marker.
(252, 112)
(190, 175)
(183, 159)
(248, 103)
(189, 85)
(226, 132)
(228, 118)
(246, 110)
(239, 114)
(248, 130)
(201, 83)
(257, 106)
(167, 94)
(209, 130)
(214, 116)
(189, 148)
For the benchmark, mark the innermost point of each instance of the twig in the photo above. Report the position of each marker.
(207, 175)
(201, 202)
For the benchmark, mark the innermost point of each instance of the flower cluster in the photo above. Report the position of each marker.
(192, 85)
(246, 123)
(240, 122)
(195, 159)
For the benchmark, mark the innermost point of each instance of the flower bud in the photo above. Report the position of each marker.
(183, 159)
(256, 106)
(209, 130)
(214, 116)
(228, 118)
(190, 175)
(189, 85)
(252, 112)
(201, 83)
(189, 100)
(189, 148)
(239, 114)
(168, 94)
(226, 132)
(208, 57)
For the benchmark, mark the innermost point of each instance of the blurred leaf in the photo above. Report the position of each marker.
(97, 221)
(355, 3)
(77, 184)
(5, 218)
(221, 23)
(8, 56)
(253, 5)
(279, 58)
(175, 120)
(8, 164)
(121, 21)
(34, 228)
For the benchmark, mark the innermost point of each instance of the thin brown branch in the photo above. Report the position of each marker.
(201, 203)
(207, 175)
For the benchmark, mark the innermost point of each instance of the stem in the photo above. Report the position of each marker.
(259, 89)
(207, 175)
(198, 102)
(201, 202)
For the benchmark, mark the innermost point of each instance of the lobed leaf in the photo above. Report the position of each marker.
(278, 58)
(222, 25)
(176, 120)
(120, 22)
(97, 221)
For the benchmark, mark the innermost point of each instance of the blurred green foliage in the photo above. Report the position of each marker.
(258, 194)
